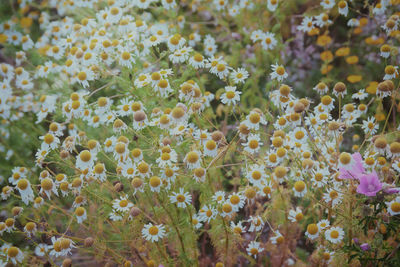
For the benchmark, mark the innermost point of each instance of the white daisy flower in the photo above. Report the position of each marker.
(153, 232)
(393, 207)
(84, 160)
(193, 159)
(219, 197)
(254, 247)
(122, 204)
(210, 148)
(256, 223)
(272, 5)
(295, 215)
(277, 238)
(312, 231)
(334, 235)
(14, 255)
(327, 4)
(322, 224)
(239, 75)
(278, 72)
(182, 198)
(80, 214)
(41, 249)
(231, 96)
(207, 213)
(24, 189)
(268, 41)
(299, 189)
(253, 144)
(155, 184)
(343, 8)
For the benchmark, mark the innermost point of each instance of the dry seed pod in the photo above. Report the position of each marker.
(89, 241)
(134, 211)
(67, 262)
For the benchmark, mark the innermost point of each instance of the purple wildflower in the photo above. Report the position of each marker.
(365, 246)
(369, 184)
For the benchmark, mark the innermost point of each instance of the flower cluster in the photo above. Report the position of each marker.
(200, 133)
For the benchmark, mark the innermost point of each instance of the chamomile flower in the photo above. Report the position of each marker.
(140, 120)
(196, 222)
(84, 76)
(239, 75)
(137, 184)
(85, 160)
(266, 189)
(231, 96)
(295, 215)
(175, 42)
(278, 72)
(385, 51)
(393, 207)
(299, 189)
(256, 174)
(114, 216)
(312, 231)
(369, 126)
(41, 249)
(254, 247)
(219, 197)
(207, 213)
(253, 144)
(121, 152)
(272, 5)
(197, 61)
(277, 238)
(237, 200)
(24, 189)
(328, 4)
(391, 72)
(61, 246)
(193, 159)
(321, 88)
(181, 198)
(320, 177)
(30, 228)
(227, 209)
(268, 41)
(50, 141)
(256, 35)
(80, 214)
(333, 196)
(122, 204)
(137, 155)
(210, 148)
(47, 187)
(256, 223)
(353, 22)
(334, 235)
(306, 25)
(322, 224)
(153, 232)
(14, 255)
(109, 144)
(254, 119)
(170, 173)
(360, 95)
(343, 8)
(155, 184)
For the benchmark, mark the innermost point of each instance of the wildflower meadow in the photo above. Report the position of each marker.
(199, 133)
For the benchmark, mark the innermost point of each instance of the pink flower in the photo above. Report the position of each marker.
(369, 184)
(354, 169)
